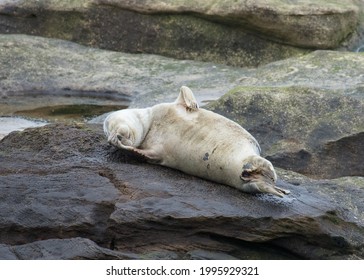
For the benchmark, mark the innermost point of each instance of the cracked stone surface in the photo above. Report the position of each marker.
(63, 185)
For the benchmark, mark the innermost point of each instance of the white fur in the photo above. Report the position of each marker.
(196, 141)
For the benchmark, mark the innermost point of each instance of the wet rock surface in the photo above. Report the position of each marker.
(63, 185)
(307, 112)
(39, 74)
(9, 124)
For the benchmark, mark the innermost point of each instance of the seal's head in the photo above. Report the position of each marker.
(258, 176)
(121, 136)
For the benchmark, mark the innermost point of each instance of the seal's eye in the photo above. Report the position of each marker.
(245, 174)
(119, 137)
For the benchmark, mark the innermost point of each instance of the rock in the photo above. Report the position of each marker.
(356, 41)
(307, 112)
(206, 255)
(239, 34)
(61, 249)
(42, 75)
(309, 24)
(6, 253)
(8, 125)
(61, 182)
(227, 30)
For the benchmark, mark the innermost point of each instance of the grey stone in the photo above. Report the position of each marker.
(40, 75)
(64, 181)
(62, 249)
(6, 253)
(307, 112)
(305, 23)
(308, 23)
(236, 33)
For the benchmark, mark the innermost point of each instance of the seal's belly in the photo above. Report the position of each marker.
(208, 158)
(203, 144)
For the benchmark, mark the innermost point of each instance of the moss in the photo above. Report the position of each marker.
(333, 219)
(298, 103)
(350, 181)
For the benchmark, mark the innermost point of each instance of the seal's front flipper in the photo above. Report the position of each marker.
(149, 155)
(187, 99)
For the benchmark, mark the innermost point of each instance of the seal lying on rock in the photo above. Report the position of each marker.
(196, 141)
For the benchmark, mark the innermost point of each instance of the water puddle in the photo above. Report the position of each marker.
(9, 124)
(20, 110)
(73, 112)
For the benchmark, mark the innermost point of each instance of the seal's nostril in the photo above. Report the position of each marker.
(119, 137)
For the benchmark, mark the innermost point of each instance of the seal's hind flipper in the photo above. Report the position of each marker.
(187, 99)
(282, 190)
(277, 191)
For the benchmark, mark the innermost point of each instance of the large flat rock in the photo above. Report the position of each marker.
(307, 112)
(243, 33)
(65, 181)
(38, 73)
(307, 23)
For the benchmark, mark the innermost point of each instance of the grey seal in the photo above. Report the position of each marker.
(196, 141)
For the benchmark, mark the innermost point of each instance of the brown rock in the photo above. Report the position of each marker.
(64, 181)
